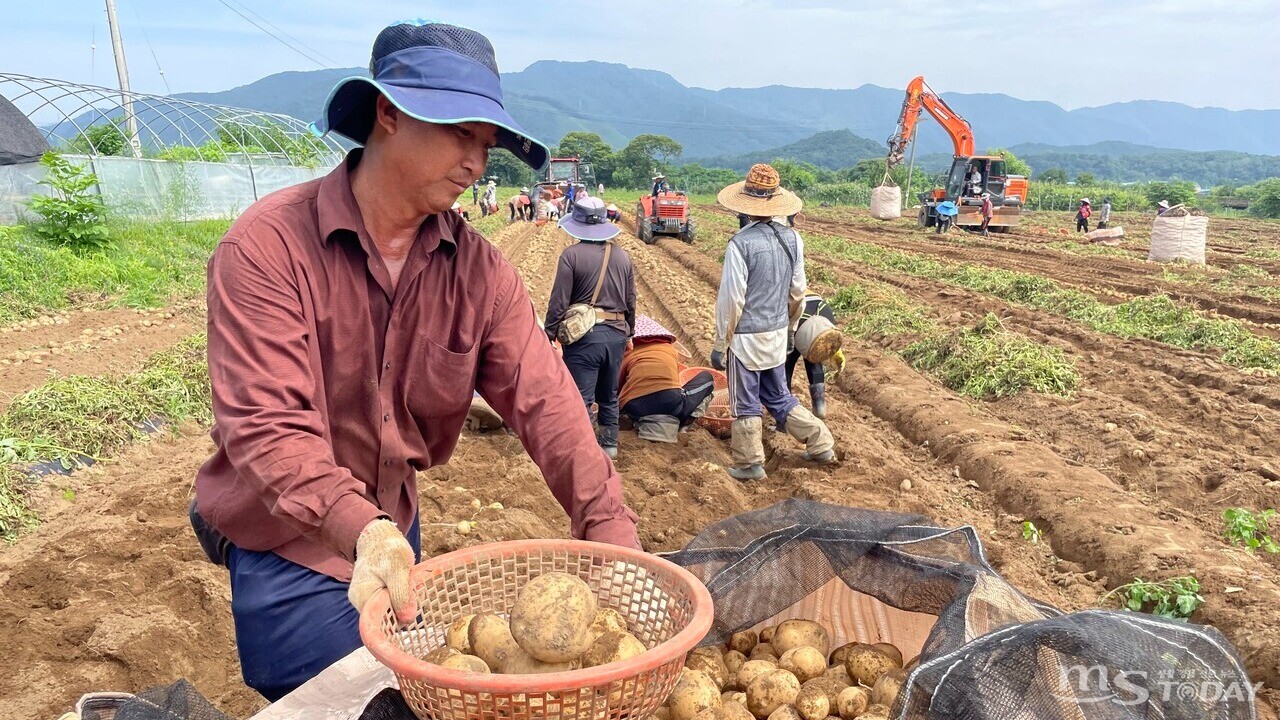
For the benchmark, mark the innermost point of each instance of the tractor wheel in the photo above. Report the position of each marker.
(646, 232)
(689, 232)
(922, 220)
(641, 220)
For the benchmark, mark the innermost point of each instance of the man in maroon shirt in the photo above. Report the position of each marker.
(350, 319)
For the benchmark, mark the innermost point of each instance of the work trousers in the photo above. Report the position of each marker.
(751, 392)
(594, 362)
(676, 402)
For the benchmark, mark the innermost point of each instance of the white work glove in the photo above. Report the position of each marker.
(383, 560)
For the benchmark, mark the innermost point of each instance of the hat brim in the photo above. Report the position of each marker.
(349, 112)
(782, 204)
(589, 231)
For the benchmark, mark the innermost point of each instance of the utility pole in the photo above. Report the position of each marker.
(122, 71)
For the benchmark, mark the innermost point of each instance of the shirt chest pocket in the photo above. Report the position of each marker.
(439, 382)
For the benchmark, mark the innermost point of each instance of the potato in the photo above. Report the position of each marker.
(456, 636)
(840, 675)
(786, 712)
(612, 647)
(812, 703)
(490, 639)
(891, 650)
(709, 661)
(466, 663)
(744, 641)
(805, 663)
(770, 691)
(887, 687)
(762, 648)
(866, 664)
(875, 712)
(792, 634)
(766, 635)
(853, 701)
(662, 713)
(693, 693)
(440, 654)
(751, 670)
(734, 696)
(608, 620)
(828, 686)
(522, 663)
(733, 660)
(839, 654)
(551, 619)
(727, 711)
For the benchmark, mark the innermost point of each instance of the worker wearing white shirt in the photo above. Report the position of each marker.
(761, 292)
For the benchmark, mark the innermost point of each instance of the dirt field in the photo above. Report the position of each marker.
(111, 591)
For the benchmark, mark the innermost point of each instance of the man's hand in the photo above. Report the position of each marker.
(383, 560)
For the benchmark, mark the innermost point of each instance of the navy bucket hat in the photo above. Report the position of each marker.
(433, 72)
(587, 221)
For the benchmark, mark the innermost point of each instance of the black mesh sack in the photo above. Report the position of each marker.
(179, 701)
(982, 649)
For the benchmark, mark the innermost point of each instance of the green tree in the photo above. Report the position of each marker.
(1265, 198)
(507, 169)
(1053, 176)
(1176, 192)
(798, 177)
(105, 138)
(591, 148)
(697, 179)
(269, 136)
(1013, 164)
(72, 214)
(1086, 179)
(644, 155)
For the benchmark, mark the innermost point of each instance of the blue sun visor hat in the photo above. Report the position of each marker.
(588, 221)
(435, 73)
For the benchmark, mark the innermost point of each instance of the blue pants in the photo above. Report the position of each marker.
(749, 389)
(291, 622)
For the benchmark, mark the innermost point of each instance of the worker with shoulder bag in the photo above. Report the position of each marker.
(592, 312)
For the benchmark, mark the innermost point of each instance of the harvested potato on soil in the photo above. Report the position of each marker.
(522, 663)
(805, 663)
(751, 670)
(763, 648)
(792, 634)
(456, 636)
(693, 693)
(440, 654)
(840, 675)
(608, 620)
(744, 641)
(662, 713)
(866, 664)
(466, 663)
(771, 691)
(887, 687)
(612, 647)
(551, 619)
(891, 650)
(709, 661)
(727, 711)
(734, 660)
(812, 703)
(786, 712)
(839, 654)
(490, 639)
(853, 701)
(766, 635)
(734, 696)
(876, 712)
(828, 686)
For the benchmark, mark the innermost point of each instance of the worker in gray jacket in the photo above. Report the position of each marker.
(762, 290)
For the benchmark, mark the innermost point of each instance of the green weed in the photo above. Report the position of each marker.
(1251, 530)
(1176, 598)
(1030, 532)
(868, 311)
(988, 361)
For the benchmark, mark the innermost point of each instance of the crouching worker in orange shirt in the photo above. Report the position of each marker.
(652, 395)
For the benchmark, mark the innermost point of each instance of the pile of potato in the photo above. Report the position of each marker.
(787, 672)
(554, 626)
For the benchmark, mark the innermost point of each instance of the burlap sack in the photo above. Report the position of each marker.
(886, 202)
(1175, 237)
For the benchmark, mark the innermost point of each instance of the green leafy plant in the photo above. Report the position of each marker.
(1176, 598)
(1249, 529)
(73, 215)
(1030, 532)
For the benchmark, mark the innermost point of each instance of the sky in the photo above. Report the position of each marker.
(1075, 53)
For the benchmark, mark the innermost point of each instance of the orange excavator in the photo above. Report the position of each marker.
(1007, 192)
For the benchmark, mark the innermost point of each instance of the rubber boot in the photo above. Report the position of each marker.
(818, 393)
(746, 447)
(803, 426)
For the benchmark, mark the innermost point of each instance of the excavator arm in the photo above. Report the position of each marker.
(922, 97)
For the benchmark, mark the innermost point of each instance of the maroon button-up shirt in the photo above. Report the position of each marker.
(331, 391)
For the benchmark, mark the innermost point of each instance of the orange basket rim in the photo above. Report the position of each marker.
(421, 671)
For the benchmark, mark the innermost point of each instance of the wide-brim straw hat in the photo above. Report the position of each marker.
(817, 339)
(760, 195)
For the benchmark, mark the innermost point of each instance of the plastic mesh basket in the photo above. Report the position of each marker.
(668, 610)
(717, 418)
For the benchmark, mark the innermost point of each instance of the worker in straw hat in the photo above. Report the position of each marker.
(762, 289)
(350, 320)
(815, 338)
(592, 312)
(652, 395)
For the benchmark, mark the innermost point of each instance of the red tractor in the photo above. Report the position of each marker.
(671, 218)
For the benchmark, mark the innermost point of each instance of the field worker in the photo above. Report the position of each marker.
(612, 214)
(1162, 207)
(535, 201)
(1082, 216)
(815, 339)
(570, 192)
(987, 211)
(490, 198)
(762, 290)
(595, 285)
(600, 190)
(975, 181)
(475, 193)
(351, 318)
(1104, 214)
(652, 394)
(659, 187)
